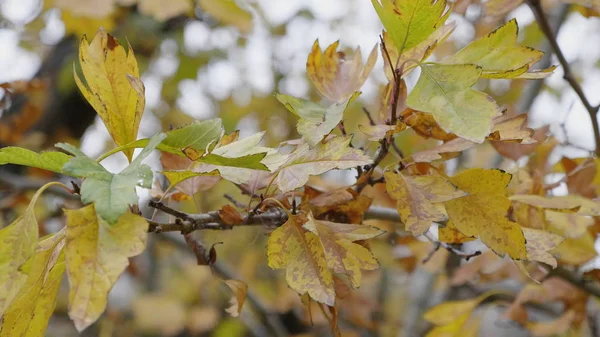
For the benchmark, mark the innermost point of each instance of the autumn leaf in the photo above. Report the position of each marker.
(239, 290)
(31, 309)
(571, 225)
(112, 86)
(377, 132)
(512, 128)
(498, 53)
(96, 255)
(425, 125)
(112, 193)
(301, 253)
(484, 211)
(315, 121)
(228, 12)
(51, 160)
(343, 255)
(335, 75)
(445, 92)
(539, 243)
(336, 153)
(17, 244)
(415, 197)
(182, 174)
(410, 22)
(567, 203)
(443, 151)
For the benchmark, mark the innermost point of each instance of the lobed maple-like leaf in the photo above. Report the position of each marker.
(483, 212)
(415, 197)
(300, 252)
(31, 309)
(498, 53)
(445, 92)
(315, 121)
(111, 193)
(97, 253)
(112, 86)
(409, 22)
(336, 76)
(343, 255)
(336, 153)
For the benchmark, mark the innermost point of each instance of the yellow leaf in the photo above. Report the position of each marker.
(483, 212)
(17, 245)
(539, 242)
(450, 234)
(229, 13)
(568, 203)
(572, 225)
(96, 254)
(301, 253)
(112, 87)
(409, 22)
(30, 311)
(335, 76)
(415, 197)
(239, 290)
(576, 251)
(343, 255)
(498, 53)
(163, 10)
(448, 312)
(445, 92)
(451, 329)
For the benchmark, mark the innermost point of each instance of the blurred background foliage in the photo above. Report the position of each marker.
(220, 58)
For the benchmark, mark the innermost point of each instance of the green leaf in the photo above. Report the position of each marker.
(315, 121)
(113, 193)
(197, 135)
(498, 53)
(30, 311)
(306, 161)
(251, 161)
(409, 22)
(445, 92)
(51, 160)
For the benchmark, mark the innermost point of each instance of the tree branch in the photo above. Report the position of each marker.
(542, 20)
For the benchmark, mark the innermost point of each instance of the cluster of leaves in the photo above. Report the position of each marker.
(322, 244)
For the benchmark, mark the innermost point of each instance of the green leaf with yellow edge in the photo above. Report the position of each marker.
(484, 211)
(112, 193)
(51, 160)
(31, 310)
(539, 243)
(420, 52)
(301, 253)
(409, 22)
(498, 53)
(445, 92)
(336, 75)
(567, 203)
(228, 12)
(96, 254)
(197, 135)
(315, 121)
(415, 197)
(336, 153)
(17, 244)
(343, 255)
(112, 86)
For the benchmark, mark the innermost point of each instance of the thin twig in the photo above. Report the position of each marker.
(542, 20)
